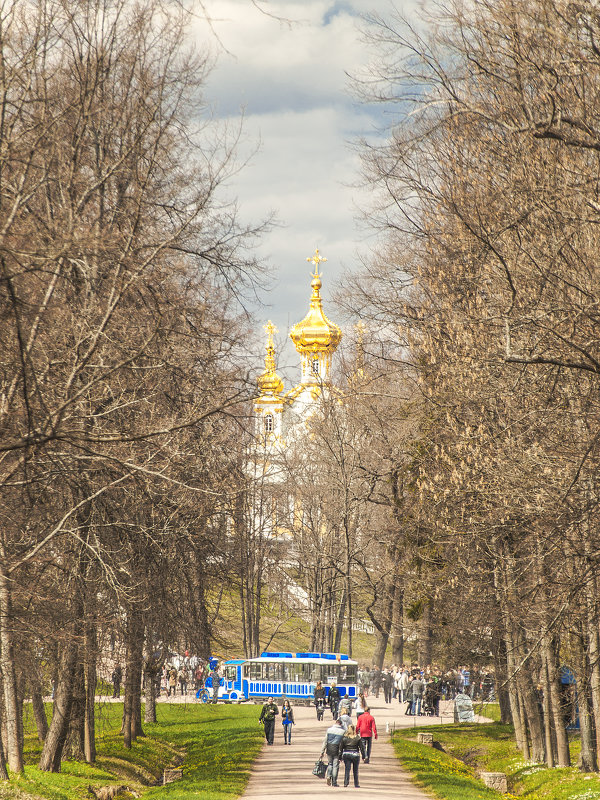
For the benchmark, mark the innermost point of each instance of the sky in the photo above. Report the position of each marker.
(300, 120)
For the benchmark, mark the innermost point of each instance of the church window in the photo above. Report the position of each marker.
(268, 423)
(315, 366)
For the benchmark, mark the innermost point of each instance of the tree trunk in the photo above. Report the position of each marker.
(91, 678)
(339, 624)
(397, 629)
(593, 638)
(425, 633)
(132, 721)
(39, 710)
(500, 671)
(74, 746)
(7, 668)
(63, 697)
(563, 756)
(587, 759)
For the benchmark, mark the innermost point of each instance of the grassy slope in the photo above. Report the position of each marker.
(470, 749)
(290, 633)
(215, 746)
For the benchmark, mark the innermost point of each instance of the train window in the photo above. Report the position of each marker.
(273, 671)
(231, 673)
(246, 670)
(256, 671)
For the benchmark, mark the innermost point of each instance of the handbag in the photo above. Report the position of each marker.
(320, 769)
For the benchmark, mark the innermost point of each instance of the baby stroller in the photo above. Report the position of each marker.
(320, 706)
(429, 701)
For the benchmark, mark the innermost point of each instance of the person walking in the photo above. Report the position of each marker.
(388, 686)
(172, 681)
(351, 749)
(116, 679)
(408, 696)
(367, 729)
(360, 704)
(334, 700)
(345, 706)
(267, 717)
(182, 678)
(216, 680)
(320, 700)
(287, 720)
(331, 748)
(418, 686)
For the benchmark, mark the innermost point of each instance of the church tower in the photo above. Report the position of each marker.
(316, 338)
(279, 416)
(269, 404)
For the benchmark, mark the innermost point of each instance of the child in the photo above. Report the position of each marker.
(287, 720)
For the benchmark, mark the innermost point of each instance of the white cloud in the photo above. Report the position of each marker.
(291, 80)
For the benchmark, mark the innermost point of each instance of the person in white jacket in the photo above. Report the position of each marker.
(402, 684)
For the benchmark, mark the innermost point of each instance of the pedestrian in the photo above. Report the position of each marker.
(267, 717)
(367, 729)
(408, 696)
(116, 679)
(287, 720)
(331, 749)
(216, 680)
(199, 678)
(388, 685)
(376, 680)
(345, 706)
(418, 686)
(334, 700)
(402, 684)
(360, 704)
(172, 681)
(182, 678)
(351, 749)
(320, 700)
(366, 682)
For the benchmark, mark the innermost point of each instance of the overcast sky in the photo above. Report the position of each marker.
(300, 118)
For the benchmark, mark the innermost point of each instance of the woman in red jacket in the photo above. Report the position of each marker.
(366, 728)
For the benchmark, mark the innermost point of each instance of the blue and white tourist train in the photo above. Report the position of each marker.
(289, 675)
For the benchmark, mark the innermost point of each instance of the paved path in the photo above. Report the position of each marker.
(284, 771)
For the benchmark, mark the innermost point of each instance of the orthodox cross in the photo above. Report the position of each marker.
(270, 329)
(316, 260)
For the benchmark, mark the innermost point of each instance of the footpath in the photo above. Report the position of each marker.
(286, 771)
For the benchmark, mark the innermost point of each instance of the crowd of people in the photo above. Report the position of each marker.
(423, 688)
(350, 737)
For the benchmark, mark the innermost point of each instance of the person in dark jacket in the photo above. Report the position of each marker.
(331, 748)
(351, 749)
(320, 700)
(116, 679)
(267, 717)
(334, 700)
(287, 720)
(388, 685)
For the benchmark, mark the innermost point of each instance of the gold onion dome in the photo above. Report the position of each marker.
(315, 333)
(270, 382)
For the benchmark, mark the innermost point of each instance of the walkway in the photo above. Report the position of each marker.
(284, 771)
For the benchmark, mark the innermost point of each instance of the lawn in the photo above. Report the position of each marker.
(450, 772)
(214, 745)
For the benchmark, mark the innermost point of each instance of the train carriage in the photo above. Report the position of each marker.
(280, 675)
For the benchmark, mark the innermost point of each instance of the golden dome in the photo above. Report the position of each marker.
(315, 333)
(270, 382)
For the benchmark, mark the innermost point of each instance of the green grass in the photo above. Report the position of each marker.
(214, 745)
(468, 749)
